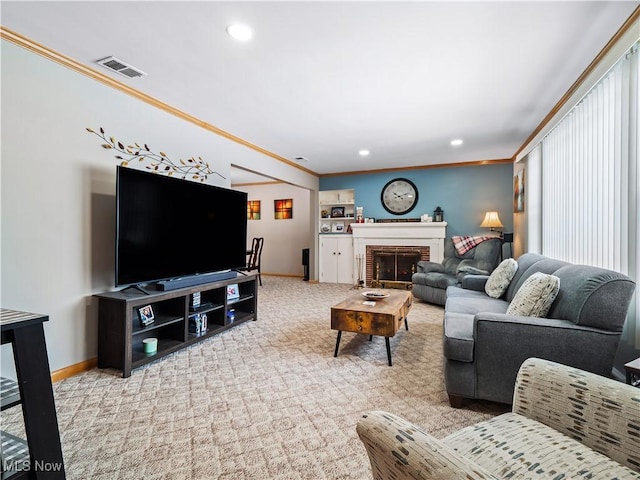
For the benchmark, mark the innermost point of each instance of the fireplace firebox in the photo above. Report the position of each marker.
(393, 267)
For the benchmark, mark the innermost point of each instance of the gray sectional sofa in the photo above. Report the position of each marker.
(484, 347)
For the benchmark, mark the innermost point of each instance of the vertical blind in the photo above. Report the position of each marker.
(589, 176)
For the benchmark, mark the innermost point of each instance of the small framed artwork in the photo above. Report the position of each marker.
(283, 209)
(338, 227)
(146, 315)
(232, 291)
(337, 212)
(253, 209)
(518, 192)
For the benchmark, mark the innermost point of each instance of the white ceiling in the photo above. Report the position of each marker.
(323, 80)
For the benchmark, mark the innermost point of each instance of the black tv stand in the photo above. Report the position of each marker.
(135, 287)
(121, 334)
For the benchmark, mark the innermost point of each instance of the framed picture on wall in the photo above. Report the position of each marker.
(283, 209)
(253, 209)
(518, 192)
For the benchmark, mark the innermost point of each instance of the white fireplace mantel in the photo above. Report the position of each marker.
(431, 234)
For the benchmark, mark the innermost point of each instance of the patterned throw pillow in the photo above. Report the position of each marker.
(535, 296)
(500, 278)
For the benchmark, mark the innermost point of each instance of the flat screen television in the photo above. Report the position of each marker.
(167, 227)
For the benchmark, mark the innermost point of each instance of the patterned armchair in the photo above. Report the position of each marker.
(565, 423)
(432, 279)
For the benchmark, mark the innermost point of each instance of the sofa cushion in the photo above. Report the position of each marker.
(528, 264)
(439, 280)
(469, 270)
(526, 449)
(473, 304)
(535, 296)
(456, 291)
(500, 278)
(525, 261)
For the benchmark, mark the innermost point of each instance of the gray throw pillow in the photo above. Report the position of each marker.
(535, 296)
(500, 278)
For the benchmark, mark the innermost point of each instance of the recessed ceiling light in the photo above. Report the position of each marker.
(456, 142)
(239, 32)
(364, 153)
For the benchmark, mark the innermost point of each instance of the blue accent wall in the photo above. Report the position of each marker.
(464, 193)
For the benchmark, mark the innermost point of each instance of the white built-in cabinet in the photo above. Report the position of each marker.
(336, 213)
(336, 258)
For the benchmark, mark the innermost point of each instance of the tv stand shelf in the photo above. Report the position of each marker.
(120, 332)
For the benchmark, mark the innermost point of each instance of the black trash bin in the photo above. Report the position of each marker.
(305, 263)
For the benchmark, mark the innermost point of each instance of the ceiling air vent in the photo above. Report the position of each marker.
(112, 63)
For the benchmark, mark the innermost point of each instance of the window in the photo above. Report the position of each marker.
(586, 205)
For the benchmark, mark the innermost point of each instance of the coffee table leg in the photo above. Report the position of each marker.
(406, 325)
(370, 337)
(335, 354)
(386, 341)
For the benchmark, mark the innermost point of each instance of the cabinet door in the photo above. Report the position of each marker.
(336, 259)
(328, 259)
(345, 260)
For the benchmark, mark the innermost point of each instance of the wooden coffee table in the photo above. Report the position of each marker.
(381, 317)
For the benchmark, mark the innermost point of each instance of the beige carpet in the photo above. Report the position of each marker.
(264, 400)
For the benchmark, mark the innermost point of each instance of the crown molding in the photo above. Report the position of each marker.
(475, 163)
(566, 98)
(68, 62)
(72, 64)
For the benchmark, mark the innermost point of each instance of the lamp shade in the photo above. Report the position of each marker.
(491, 220)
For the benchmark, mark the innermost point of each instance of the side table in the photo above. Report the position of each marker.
(632, 370)
(33, 390)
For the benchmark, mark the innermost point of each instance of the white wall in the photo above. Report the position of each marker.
(58, 190)
(283, 239)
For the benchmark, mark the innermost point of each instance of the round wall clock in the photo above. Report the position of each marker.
(399, 196)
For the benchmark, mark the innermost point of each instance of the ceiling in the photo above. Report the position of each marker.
(323, 80)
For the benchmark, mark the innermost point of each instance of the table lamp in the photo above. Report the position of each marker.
(492, 221)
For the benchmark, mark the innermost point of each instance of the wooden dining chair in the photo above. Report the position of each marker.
(253, 257)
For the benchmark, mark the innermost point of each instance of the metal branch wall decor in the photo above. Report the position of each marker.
(196, 169)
